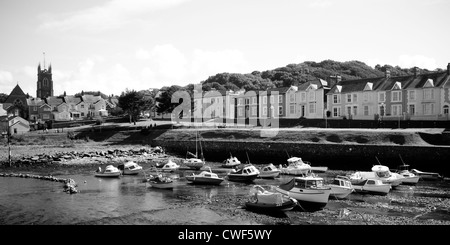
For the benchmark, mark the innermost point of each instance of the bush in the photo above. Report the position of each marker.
(99, 121)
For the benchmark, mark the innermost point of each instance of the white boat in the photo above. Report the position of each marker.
(409, 178)
(159, 181)
(244, 173)
(341, 187)
(193, 161)
(296, 166)
(371, 186)
(308, 190)
(427, 175)
(380, 172)
(170, 166)
(269, 172)
(130, 168)
(231, 162)
(110, 171)
(205, 177)
(267, 199)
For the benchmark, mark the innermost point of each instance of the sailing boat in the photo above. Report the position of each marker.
(193, 161)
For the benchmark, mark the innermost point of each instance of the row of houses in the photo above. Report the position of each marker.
(413, 97)
(56, 108)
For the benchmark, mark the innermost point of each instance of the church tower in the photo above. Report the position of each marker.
(44, 83)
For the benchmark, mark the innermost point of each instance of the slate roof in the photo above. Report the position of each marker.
(54, 101)
(72, 99)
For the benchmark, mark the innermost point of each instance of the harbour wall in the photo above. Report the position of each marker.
(333, 155)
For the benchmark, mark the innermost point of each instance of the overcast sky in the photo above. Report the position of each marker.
(112, 45)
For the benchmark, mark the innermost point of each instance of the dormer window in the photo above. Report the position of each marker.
(368, 87)
(429, 83)
(397, 86)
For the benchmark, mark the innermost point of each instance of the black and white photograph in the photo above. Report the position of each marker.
(214, 120)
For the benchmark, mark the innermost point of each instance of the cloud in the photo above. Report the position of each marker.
(6, 79)
(408, 61)
(320, 4)
(111, 15)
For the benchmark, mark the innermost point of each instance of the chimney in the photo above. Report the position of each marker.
(387, 73)
(334, 79)
(448, 69)
(416, 71)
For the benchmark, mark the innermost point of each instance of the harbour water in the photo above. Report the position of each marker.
(127, 200)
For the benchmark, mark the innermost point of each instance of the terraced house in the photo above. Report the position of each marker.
(414, 97)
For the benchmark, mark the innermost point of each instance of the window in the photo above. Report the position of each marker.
(34, 108)
(336, 111)
(336, 99)
(382, 97)
(292, 98)
(349, 98)
(355, 110)
(366, 110)
(240, 112)
(303, 97)
(212, 100)
(82, 114)
(264, 111)
(45, 82)
(265, 100)
(45, 116)
(82, 106)
(355, 97)
(396, 96)
(412, 109)
(411, 95)
(428, 94)
(254, 101)
(241, 101)
(280, 99)
(348, 110)
(428, 109)
(292, 109)
(312, 108)
(396, 110)
(280, 110)
(254, 111)
(272, 99)
(445, 109)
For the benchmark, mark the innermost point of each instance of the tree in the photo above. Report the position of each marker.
(3, 97)
(164, 100)
(133, 103)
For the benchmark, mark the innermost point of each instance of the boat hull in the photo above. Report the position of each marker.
(160, 185)
(374, 190)
(410, 180)
(266, 207)
(108, 175)
(340, 192)
(204, 181)
(241, 177)
(308, 199)
(131, 172)
(269, 175)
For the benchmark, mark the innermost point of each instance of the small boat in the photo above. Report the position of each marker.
(341, 187)
(371, 186)
(231, 162)
(206, 178)
(308, 190)
(160, 182)
(378, 172)
(243, 173)
(267, 199)
(109, 172)
(192, 161)
(130, 168)
(409, 178)
(427, 175)
(296, 166)
(170, 166)
(269, 172)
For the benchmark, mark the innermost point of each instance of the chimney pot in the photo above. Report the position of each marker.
(416, 71)
(387, 73)
(448, 69)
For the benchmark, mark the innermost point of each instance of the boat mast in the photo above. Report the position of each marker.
(248, 158)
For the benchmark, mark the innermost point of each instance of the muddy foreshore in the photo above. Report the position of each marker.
(390, 210)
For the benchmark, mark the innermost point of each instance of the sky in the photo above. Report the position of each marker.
(117, 45)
